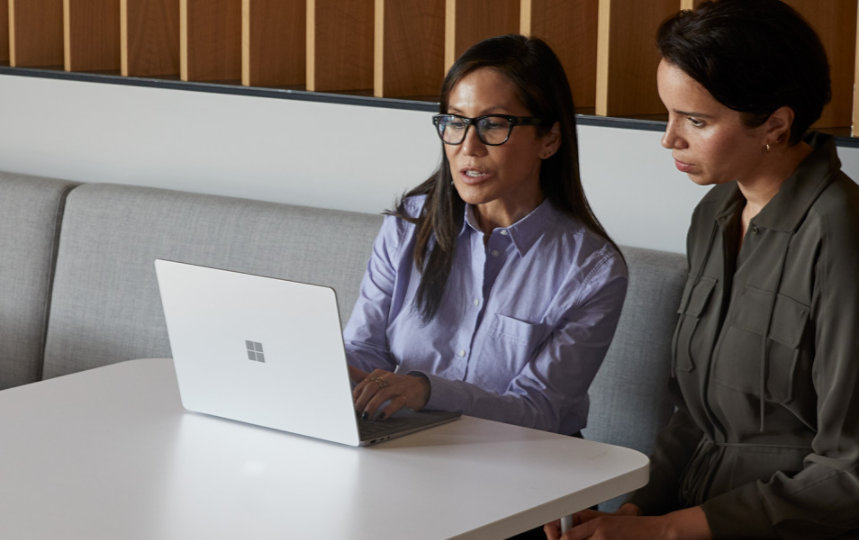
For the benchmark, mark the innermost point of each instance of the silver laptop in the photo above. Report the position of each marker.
(268, 352)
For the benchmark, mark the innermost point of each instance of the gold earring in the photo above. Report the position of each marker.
(767, 146)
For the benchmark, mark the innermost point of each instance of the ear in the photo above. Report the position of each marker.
(778, 126)
(551, 141)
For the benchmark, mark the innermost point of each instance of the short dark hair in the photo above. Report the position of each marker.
(753, 56)
(542, 87)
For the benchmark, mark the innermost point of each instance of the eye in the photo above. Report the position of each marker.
(695, 121)
(455, 123)
(493, 123)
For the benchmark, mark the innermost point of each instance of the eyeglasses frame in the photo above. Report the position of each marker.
(514, 121)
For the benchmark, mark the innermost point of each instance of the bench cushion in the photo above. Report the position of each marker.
(629, 396)
(106, 306)
(30, 212)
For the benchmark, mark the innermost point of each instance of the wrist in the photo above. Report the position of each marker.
(425, 389)
(687, 524)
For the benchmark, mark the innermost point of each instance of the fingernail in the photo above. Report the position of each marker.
(365, 415)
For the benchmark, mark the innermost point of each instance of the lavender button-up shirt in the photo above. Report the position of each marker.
(523, 326)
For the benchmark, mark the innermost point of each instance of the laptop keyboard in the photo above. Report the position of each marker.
(370, 429)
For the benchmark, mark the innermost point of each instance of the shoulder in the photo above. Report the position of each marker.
(836, 214)
(591, 253)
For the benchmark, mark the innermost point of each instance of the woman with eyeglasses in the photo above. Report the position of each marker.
(492, 289)
(764, 442)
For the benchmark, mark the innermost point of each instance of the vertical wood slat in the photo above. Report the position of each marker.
(35, 33)
(340, 45)
(855, 119)
(835, 23)
(469, 21)
(210, 40)
(91, 35)
(149, 38)
(4, 31)
(409, 48)
(627, 56)
(570, 28)
(273, 42)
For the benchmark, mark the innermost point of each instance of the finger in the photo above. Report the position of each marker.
(356, 374)
(363, 395)
(552, 530)
(384, 394)
(395, 404)
(585, 515)
(373, 391)
(581, 532)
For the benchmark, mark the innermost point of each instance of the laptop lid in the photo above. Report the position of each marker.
(262, 350)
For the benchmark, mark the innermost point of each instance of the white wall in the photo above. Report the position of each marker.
(336, 156)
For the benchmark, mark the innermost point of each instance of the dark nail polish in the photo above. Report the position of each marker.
(364, 415)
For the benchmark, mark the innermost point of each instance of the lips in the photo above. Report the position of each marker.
(471, 175)
(683, 166)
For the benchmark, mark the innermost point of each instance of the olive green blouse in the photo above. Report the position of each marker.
(766, 363)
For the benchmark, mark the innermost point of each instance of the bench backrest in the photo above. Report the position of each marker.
(30, 213)
(106, 307)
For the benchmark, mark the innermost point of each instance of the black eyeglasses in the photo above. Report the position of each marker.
(492, 129)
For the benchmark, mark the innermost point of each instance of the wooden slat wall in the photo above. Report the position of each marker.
(409, 48)
(91, 35)
(627, 56)
(4, 31)
(570, 28)
(36, 33)
(274, 41)
(469, 21)
(386, 48)
(835, 23)
(340, 45)
(210, 40)
(149, 38)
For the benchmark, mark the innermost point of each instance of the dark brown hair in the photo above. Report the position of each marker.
(753, 56)
(542, 87)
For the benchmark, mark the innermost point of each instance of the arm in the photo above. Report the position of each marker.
(365, 334)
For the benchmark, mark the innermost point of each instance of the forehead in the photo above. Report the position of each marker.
(681, 93)
(485, 89)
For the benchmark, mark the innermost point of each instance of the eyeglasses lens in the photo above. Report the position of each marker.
(492, 130)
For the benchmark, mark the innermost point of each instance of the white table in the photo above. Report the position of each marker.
(111, 454)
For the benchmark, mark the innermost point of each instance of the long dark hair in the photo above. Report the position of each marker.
(541, 86)
(753, 56)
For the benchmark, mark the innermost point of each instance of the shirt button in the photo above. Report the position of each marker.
(476, 301)
(503, 232)
(494, 252)
(754, 229)
(461, 353)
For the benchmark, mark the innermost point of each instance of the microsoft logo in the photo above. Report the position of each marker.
(254, 349)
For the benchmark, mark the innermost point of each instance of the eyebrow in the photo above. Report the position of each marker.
(490, 110)
(690, 113)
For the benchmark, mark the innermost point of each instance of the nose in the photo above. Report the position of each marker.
(471, 144)
(670, 138)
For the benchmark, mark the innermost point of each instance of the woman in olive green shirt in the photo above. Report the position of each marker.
(765, 440)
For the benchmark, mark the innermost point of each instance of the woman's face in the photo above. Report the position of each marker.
(502, 182)
(708, 141)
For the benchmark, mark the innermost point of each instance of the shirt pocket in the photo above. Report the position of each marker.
(696, 298)
(512, 343)
(738, 364)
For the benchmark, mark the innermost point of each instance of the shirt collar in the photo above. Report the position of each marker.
(795, 196)
(786, 209)
(525, 232)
